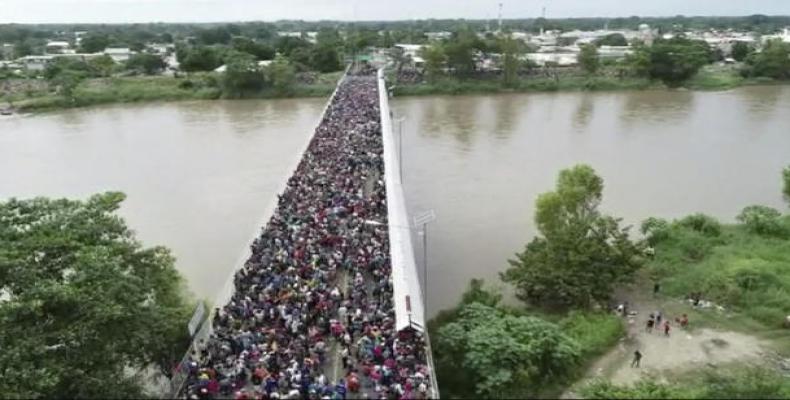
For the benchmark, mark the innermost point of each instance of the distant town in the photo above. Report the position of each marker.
(59, 66)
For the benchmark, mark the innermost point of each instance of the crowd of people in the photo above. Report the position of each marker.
(312, 313)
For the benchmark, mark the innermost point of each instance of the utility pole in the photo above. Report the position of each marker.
(424, 219)
(500, 17)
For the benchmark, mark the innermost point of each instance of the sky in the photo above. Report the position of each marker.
(120, 11)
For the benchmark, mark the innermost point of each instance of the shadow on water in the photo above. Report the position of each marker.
(659, 106)
(507, 112)
(461, 114)
(761, 101)
(584, 112)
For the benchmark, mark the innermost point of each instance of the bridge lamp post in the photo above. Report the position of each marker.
(400, 147)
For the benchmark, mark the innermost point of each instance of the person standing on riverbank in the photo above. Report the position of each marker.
(637, 359)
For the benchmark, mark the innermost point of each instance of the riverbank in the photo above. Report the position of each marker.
(715, 78)
(91, 92)
(36, 96)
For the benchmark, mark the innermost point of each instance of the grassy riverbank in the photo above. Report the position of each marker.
(714, 78)
(153, 88)
(732, 266)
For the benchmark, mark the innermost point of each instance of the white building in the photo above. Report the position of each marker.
(35, 63)
(119, 54)
(57, 47)
(562, 59)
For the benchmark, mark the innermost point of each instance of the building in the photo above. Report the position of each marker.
(35, 63)
(561, 59)
(58, 47)
(119, 54)
(7, 51)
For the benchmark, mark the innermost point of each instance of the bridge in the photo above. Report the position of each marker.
(327, 300)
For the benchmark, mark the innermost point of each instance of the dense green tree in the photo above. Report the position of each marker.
(502, 354)
(286, 45)
(282, 75)
(261, 51)
(217, 35)
(94, 43)
(741, 50)
(511, 50)
(675, 60)
(85, 305)
(201, 58)
(762, 220)
(65, 82)
(773, 61)
(460, 52)
(434, 57)
(582, 255)
(614, 39)
(242, 76)
(324, 58)
(588, 58)
(786, 183)
(61, 65)
(102, 65)
(23, 48)
(149, 64)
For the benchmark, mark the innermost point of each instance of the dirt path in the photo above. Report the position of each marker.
(683, 349)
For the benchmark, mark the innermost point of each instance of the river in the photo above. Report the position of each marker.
(199, 174)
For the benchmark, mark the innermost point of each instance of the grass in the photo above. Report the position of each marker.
(709, 78)
(156, 88)
(745, 272)
(454, 86)
(732, 382)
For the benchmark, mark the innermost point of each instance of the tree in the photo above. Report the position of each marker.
(149, 64)
(502, 354)
(324, 58)
(614, 39)
(588, 58)
(434, 60)
(676, 60)
(102, 65)
(740, 51)
(200, 59)
(94, 43)
(261, 51)
(582, 255)
(22, 49)
(460, 52)
(65, 83)
(786, 186)
(84, 303)
(242, 76)
(282, 75)
(772, 62)
(511, 59)
(762, 220)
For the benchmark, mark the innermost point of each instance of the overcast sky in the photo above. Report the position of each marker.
(113, 11)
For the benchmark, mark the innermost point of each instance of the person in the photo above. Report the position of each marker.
(656, 288)
(658, 318)
(650, 323)
(637, 359)
(666, 328)
(684, 321)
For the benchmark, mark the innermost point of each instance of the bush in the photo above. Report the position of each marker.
(702, 223)
(655, 230)
(762, 220)
(595, 333)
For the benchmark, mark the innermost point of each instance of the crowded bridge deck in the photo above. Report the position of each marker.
(327, 303)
